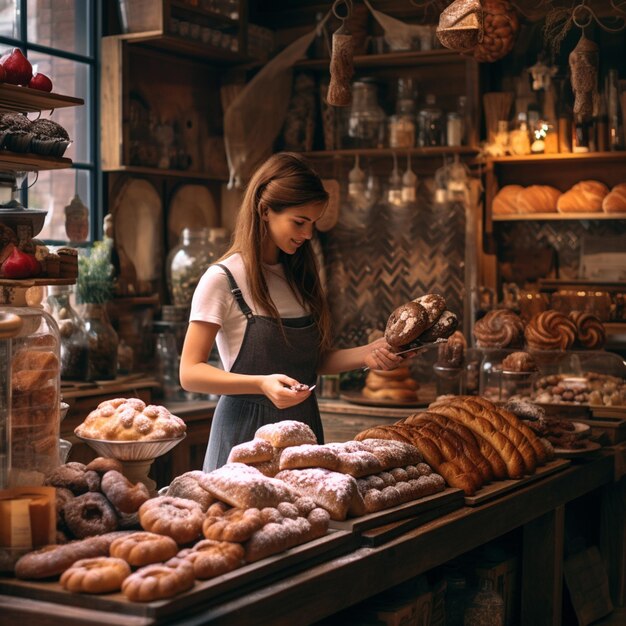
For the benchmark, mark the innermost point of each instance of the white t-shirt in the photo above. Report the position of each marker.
(213, 302)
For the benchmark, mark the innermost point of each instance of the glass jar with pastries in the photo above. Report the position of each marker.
(505, 374)
(31, 387)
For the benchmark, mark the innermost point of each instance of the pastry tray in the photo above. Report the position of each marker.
(205, 593)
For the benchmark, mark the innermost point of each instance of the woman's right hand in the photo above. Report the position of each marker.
(278, 388)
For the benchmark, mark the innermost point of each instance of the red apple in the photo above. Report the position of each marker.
(2, 74)
(17, 68)
(41, 82)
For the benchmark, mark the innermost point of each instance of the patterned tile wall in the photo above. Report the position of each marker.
(378, 259)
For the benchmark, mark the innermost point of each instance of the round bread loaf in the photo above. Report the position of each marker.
(500, 328)
(443, 327)
(406, 323)
(434, 304)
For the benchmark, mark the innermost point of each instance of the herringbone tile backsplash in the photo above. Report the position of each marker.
(379, 259)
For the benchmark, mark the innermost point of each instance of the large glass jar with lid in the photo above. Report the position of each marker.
(366, 124)
(185, 265)
(30, 431)
(74, 341)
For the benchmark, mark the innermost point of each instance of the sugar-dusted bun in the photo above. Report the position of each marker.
(537, 199)
(505, 201)
(615, 200)
(500, 328)
(550, 330)
(129, 419)
(519, 362)
(584, 197)
(590, 332)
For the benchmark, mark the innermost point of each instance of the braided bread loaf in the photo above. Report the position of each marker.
(590, 331)
(550, 330)
(500, 328)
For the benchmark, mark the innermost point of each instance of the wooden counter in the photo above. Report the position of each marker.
(324, 589)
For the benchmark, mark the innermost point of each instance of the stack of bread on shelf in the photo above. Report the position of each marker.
(586, 196)
(395, 385)
(469, 441)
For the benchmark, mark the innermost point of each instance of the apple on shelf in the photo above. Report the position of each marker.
(16, 69)
(40, 81)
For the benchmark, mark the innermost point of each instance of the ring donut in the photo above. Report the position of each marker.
(123, 495)
(143, 548)
(177, 518)
(156, 582)
(89, 515)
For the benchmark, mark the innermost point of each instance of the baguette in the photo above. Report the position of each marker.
(482, 427)
(513, 420)
(521, 443)
(465, 438)
(381, 432)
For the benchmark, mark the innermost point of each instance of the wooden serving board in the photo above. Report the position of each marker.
(234, 584)
(500, 487)
(447, 498)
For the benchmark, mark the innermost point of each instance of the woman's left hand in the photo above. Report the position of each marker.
(380, 356)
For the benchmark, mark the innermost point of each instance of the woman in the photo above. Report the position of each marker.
(264, 306)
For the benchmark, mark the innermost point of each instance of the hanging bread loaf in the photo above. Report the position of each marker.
(584, 197)
(583, 63)
(500, 27)
(538, 199)
(615, 200)
(505, 201)
(460, 25)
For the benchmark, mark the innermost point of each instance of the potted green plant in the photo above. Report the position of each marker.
(94, 288)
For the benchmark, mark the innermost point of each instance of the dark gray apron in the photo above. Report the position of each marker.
(264, 351)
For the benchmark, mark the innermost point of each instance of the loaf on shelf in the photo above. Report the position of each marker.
(584, 197)
(538, 199)
(615, 200)
(505, 201)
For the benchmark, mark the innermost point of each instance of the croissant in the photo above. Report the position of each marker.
(590, 331)
(500, 328)
(550, 330)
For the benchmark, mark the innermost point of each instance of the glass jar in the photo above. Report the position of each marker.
(102, 341)
(402, 125)
(456, 599)
(218, 243)
(366, 124)
(167, 361)
(430, 122)
(185, 265)
(74, 342)
(486, 608)
(33, 384)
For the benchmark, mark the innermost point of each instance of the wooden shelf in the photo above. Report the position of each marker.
(185, 46)
(527, 217)
(581, 283)
(389, 152)
(219, 19)
(25, 283)
(529, 159)
(31, 162)
(155, 171)
(411, 58)
(26, 100)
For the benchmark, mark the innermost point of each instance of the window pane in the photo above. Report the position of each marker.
(59, 24)
(9, 18)
(71, 79)
(53, 191)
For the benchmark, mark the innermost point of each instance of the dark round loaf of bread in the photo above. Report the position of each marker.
(443, 327)
(405, 324)
(434, 304)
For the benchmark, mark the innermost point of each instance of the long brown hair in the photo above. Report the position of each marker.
(284, 181)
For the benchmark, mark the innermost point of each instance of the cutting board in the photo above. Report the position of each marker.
(191, 206)
(236, 583)
(500, 487)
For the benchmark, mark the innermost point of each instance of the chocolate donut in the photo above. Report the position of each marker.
(89, 515)
(405, 324)
(434, 304)
(445, 325)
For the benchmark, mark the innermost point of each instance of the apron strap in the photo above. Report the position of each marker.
(236, 291)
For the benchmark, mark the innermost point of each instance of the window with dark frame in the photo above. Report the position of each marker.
(61, 38)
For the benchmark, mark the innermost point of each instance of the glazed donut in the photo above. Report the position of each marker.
(403, 395)
(590, 331)
(550, 330)
(177, 518)
(143, 548)
(53, 560)
(405, 324)
(434, 304)
(213, 558)
(519, 362)
(89, 515)
(123, 495)
(187, 486)
(96, 575)
(156, 582)
(235, 525)
(75, 477)
(500, 328)
(443, 327)
(102, 465)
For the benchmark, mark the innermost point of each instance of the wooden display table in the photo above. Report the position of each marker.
(323, 589)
